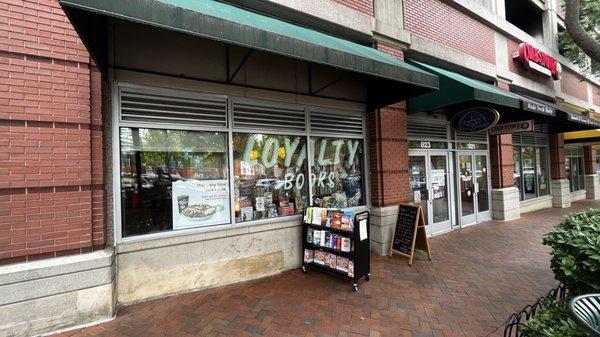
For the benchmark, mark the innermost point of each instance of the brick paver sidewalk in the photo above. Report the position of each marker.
(479, 275)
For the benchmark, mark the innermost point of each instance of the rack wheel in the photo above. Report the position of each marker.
(355, 288)
(304, 269)
(368, 276)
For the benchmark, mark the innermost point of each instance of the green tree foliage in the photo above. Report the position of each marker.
(590, 21)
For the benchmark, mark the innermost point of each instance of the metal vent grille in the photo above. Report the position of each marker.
(169, 107)
(531, 138)
(268, 116)
(473, 137)
(528, 138)
(427, 129)
(336, 122)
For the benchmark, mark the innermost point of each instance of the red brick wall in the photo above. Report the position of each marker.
(388, 149)
(557, 156)
(589, 159)
(446, 25)
(51, 197)
(516, 67)
(364, 6)
(571, 84)
(502, 161)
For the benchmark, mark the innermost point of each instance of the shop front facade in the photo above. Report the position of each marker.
(208, 127)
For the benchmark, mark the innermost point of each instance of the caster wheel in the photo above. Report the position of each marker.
(368, 276)
(355, 288)
(304, 269)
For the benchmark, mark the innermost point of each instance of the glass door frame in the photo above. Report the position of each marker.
(445, 225)
(477, 216)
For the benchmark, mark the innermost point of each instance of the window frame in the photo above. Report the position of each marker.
(535, 147)
(229, 130)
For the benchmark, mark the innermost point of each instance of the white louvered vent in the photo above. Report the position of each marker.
(419, 128)
(473, 137)
(170, 107)
(268, 116)
(329, 122)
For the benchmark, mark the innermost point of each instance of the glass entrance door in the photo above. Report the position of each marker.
(430, 181)
(473, 187)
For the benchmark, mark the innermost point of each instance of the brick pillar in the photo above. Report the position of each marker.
(388, 162)
(501, 158)
(561, 196)
(505, 196)
(592, 181)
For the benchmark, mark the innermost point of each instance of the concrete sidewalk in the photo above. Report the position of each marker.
(478, 277)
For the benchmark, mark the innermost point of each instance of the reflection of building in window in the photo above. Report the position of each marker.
(531, 171)
(574, 168)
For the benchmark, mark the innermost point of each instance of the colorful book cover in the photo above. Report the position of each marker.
(351, 268)
(342, 264)
(349, 214)
(308, 255)
(316, 237)
(323, 217)
(346, 245)
(327, 239)
(334, 238)
(336, 221)
(330, 260)
(322, 240)
(309, 235)
(319, 257)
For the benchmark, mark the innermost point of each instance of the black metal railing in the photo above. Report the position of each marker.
(515, 321)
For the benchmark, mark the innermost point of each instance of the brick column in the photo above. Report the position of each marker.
(592, 181)
(561, 196)
(505, 196)
(388, 162)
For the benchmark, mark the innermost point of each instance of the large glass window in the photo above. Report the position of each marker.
(172, 179)
(337, 172)
(531, 175)
(270, 176)
(574, 170)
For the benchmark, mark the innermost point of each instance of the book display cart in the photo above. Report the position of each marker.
(337, 241)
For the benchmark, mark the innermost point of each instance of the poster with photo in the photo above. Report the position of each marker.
(198, 203)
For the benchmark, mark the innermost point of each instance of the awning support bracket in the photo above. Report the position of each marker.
(330, 83)
(230, 78)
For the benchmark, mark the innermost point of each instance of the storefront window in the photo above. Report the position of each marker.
(531, 171)
(574, 170)
(337, 180)
(172, 179)
(517, 172)
(270, 176)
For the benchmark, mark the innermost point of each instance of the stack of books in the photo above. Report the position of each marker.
(343, 220)
(325, 238)
(330, 260)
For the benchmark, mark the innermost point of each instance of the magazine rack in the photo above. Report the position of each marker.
(359, 256)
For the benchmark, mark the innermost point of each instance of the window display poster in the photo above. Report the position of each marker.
(438, 177)
(198, 203)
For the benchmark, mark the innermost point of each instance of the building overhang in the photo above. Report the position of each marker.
(389, 80)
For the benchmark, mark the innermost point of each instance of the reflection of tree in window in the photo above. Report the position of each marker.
(337, 172)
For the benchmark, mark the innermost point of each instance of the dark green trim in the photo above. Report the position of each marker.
(230, 24)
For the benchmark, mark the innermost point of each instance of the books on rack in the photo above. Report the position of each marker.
(338, 219)
(345, 245)
(342, 264)
(319, 257)
(329, 260)
(308, 255)
(325, 238)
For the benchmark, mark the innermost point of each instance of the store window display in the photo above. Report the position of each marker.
(270, 176)
(336, 172)
(173, 179)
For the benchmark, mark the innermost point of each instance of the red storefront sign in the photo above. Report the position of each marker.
(536, 59)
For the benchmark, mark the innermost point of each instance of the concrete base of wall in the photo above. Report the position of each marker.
(383, 222)
(578, 195)
(505, 203)
(592, 186)
(536, 204)
(561, 196)
(156, 268)
(47, 295)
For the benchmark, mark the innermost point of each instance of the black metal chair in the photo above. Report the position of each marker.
(585, 310)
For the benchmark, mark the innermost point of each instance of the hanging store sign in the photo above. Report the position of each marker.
(475, 119)
(533, 58)
(583, 120)
(538, 108)
(522, 126)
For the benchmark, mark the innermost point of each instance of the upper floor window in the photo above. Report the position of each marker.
(526, 16)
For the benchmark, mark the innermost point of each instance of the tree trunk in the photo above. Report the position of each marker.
(581, 38)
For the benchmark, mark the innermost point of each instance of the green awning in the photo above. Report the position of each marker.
(456, 89)
(234, 25)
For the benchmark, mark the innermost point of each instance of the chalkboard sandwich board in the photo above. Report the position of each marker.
(409, 233)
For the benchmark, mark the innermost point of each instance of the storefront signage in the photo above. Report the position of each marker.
(522, 126)
(533, 58)
(198, 203)
(538, 108)
(475, 119)
(584, 120)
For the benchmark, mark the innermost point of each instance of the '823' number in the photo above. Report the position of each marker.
(426, 145)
